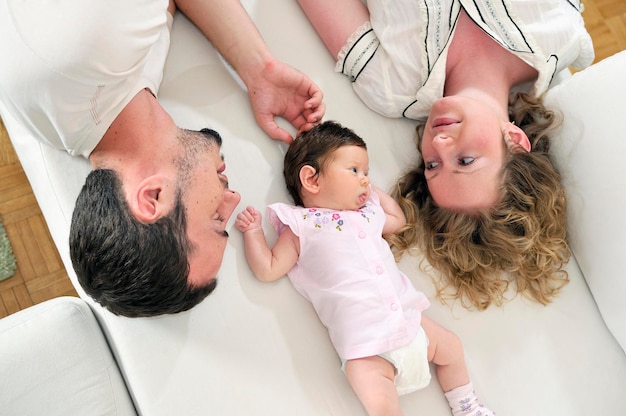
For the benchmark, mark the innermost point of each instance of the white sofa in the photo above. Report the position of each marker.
(258, 349)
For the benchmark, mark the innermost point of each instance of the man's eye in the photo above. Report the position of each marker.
(217, 217)
(464, 161)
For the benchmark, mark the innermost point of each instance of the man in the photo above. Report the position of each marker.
(83, 76)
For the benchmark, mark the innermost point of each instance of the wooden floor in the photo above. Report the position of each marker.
(40, 274)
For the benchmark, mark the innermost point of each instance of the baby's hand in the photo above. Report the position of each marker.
(248, 219)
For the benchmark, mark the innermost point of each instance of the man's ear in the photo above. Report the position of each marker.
(513, 135)
(309, 179)
(150, 200)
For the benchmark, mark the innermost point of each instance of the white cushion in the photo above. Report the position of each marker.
(54, 360)
(590, 151)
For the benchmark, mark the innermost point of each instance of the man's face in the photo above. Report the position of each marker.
(208, 204)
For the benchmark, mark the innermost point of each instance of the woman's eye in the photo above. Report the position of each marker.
(464, 161)
(431, 165)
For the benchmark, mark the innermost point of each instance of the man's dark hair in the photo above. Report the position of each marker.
(131, 268)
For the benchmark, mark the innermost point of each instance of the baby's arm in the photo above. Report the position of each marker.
(395, 216)
(266, 264)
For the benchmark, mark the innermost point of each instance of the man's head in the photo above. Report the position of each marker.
(137, 258)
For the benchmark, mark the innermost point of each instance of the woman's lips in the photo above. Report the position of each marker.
(444, 121)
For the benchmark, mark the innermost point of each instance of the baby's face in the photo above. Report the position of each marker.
(343, 183)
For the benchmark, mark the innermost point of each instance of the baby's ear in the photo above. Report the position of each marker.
(309, 179)
(513, 135)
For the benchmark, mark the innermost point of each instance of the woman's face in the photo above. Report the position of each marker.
(463, 150)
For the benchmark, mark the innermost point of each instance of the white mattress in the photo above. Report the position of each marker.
(255, 348)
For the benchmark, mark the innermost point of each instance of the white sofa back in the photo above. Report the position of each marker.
(590, 152)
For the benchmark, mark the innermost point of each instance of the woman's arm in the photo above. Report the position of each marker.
(395, 216)
(335, 20)
(274, 88)
(267, 264)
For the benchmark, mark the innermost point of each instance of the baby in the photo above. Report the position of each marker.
(332, 249)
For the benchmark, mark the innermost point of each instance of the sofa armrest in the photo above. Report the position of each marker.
(54, 360)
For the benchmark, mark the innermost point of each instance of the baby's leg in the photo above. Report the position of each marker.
(372, 379)
(446, 351)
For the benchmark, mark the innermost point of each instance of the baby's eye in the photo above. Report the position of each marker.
(353, 170)
(464, 161)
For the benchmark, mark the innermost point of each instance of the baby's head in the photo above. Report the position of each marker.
(312, 151)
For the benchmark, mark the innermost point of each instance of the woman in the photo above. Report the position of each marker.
(485, 197)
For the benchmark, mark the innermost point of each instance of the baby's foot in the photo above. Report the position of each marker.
(464, 402)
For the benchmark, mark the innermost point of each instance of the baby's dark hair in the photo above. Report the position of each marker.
(314, 148)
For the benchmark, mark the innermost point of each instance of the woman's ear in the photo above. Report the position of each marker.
(149, 201)
(515, 136)
(309, 179)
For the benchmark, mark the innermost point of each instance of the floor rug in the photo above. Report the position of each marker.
(7, 259)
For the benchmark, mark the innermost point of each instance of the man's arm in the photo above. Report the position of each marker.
(274, 88)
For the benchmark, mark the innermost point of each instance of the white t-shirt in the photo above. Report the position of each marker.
(75, 64)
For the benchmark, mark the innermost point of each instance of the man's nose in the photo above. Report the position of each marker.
(231, 198)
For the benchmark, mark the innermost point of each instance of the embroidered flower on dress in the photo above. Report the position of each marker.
(321, 218)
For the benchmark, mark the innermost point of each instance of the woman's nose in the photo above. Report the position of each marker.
(441, 140)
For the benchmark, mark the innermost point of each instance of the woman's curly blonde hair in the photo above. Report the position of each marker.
(522, 239)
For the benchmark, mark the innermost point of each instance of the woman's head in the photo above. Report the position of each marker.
(522, 233)
(329, 165)
(464, 145)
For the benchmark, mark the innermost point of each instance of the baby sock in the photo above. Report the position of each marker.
(464, 402)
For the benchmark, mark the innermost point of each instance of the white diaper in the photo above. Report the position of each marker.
(410, 363)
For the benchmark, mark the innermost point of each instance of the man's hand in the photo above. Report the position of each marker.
(282, 91)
